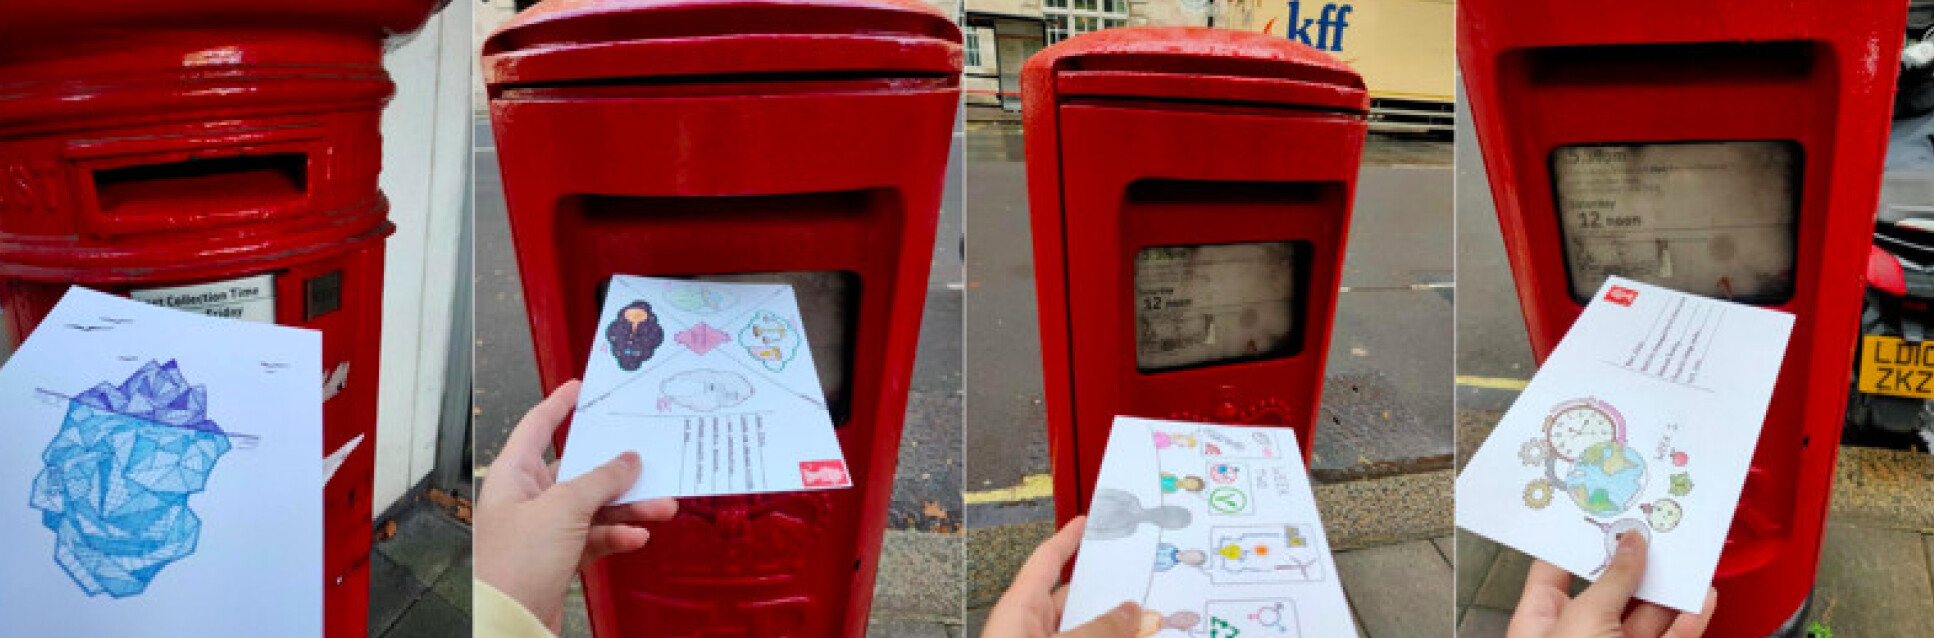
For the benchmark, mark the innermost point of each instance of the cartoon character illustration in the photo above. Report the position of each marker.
(770, 339)
(1612, 530)
(1153, 622)
(1167, 556)
(1116, 514)
(634, 335)
(1663, 515)
(703, 390)
(1193, 484)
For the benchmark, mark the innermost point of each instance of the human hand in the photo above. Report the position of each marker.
(533, 533)
(1032, 606)
(1546, 610)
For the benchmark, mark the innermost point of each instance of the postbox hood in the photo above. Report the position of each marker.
(1197, 63)
(60, 22)
(640, 40)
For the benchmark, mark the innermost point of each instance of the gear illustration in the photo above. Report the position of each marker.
(1537, 494)
(1533, 452)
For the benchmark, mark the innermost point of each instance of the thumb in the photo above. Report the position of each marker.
(1121, 622)
(1621, 580)
(599, 487)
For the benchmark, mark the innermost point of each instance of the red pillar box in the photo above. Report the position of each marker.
(801, 142)
(1190, 191)
(213, 155)
(1715, 147)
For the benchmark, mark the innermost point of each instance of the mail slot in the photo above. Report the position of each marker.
(802, 143)
(187, 154)
(1729, 151)
(1189, 271)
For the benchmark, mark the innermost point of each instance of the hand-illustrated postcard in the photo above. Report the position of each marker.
(1643, 419)
(1213, 530)
(162, 475)
(712, 384)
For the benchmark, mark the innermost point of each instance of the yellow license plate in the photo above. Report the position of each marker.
(1892, 366)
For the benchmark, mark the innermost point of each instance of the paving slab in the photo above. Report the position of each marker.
(1399, 590)
(1480, 622)
(454, 585)
(1447, 548)
(1504, 581)
(431, 617)
(1873, 582)
(905, 628)
(919, 577)
(1474, 557)
(392, 589)
(427, 541)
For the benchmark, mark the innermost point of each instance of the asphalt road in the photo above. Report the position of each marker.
(926, 492)
(1388, 402)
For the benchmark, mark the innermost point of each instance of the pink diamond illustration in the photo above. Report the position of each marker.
(701, 338)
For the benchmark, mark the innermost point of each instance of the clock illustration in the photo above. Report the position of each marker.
(1576, 425)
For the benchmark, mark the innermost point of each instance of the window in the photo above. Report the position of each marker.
(1069, 18)
(973, 48)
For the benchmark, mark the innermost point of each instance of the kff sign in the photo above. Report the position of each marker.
(1329, 26)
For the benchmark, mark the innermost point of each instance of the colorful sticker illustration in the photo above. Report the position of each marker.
(1263, 554)
(1228, 500)
(703, 390)
(770, 339)
(1273, 617)
(634, 335)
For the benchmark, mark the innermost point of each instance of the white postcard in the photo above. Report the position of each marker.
(712, 384)
(1213, 530)
(162, 475)
(1643, 419)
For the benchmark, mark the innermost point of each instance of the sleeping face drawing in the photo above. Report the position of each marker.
(634, 335)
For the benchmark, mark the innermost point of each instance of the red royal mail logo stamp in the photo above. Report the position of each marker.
(824, 473)
(1621, 295)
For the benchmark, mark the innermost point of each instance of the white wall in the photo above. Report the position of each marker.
(426, 175)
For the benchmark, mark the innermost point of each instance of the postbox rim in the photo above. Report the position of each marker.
(565, 25)
(36, 22)
(1219, 51)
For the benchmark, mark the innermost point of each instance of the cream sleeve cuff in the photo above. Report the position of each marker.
(500, 616)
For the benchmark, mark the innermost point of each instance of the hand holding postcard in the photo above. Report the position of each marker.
(1213, 530)
(712, 384)
(1643, 419)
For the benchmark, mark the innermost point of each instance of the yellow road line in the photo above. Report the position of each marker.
(1492, 383)
(1032, 487)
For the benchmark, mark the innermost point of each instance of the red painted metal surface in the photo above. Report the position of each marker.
(149, 145)
(1544, 75)
(1209, 118)
(713, 137)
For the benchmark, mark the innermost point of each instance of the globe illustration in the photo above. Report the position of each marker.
(1606, 479)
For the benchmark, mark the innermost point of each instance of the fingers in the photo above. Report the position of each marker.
(1121, 622)
(646, 511)
(1694, 625)
(1648, 620)
(533, 434)
(605, 540)
(1615, 588)
(1043, 568)
(593, 490)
